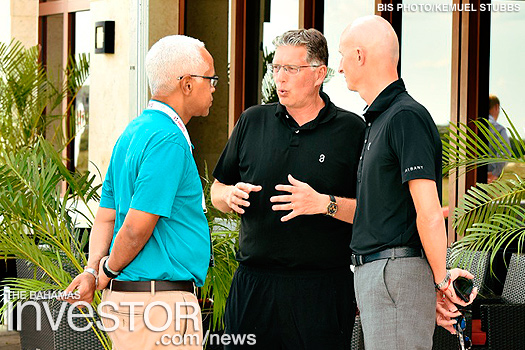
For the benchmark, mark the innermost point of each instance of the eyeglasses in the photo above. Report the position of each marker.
(289, 69)
(213, 80)
(460, 326)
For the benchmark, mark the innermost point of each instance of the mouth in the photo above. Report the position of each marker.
(282, 92)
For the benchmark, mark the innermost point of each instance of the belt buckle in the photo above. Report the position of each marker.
(357, 260)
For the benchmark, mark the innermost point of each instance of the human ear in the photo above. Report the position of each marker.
(186, 85)
(360, 56)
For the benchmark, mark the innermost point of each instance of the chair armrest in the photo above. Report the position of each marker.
(504, 325)
(479, 301)
(482, 306)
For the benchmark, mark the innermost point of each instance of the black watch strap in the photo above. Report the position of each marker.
(107, 271)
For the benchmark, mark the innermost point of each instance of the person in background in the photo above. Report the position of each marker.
(494, 170)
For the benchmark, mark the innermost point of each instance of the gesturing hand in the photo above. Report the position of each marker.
(238, 196)
(302, 200)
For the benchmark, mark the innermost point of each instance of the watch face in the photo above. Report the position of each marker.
(332, 208)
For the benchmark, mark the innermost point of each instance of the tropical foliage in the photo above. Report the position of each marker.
(489, 216)
(224, 229)
(38, 194)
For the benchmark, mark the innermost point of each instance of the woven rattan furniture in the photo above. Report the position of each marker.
(64, 337)
(505, 323)
(358, 341)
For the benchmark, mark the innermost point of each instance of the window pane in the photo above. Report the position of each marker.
(83, 44)
(426, 57)
(507, 71)
(426, 62)
(284, 15)
(345, 11)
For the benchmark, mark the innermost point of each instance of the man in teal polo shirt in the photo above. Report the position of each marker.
(150, 244)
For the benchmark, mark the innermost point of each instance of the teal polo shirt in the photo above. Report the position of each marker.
(152, 169)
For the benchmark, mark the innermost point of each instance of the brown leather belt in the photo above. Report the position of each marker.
(151, 286)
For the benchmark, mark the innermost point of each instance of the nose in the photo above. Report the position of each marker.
(340, 70)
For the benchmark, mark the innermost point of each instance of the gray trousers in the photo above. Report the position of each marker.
(397, 301)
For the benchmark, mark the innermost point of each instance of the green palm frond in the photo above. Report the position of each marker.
(463, 147)
(501, 231)
(29, 99)
(482, 202)
(490, 217)
(38, 192)
(219, 277)
(224, 237)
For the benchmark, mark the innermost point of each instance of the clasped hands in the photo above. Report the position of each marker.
(301, 200)
(447, 301)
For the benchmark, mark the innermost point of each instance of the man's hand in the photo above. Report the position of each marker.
(302, 200)
(445, 312)
(450, 293)
(447, 301)
(237, 196)
(85, 283)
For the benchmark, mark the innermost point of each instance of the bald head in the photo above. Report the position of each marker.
(376, 37)
(370, 51)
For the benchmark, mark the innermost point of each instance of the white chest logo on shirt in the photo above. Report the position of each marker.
(321, 158)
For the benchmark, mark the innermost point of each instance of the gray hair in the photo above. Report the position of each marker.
(171, 57)
(312, 39)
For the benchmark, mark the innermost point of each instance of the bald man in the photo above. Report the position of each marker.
(399, 239)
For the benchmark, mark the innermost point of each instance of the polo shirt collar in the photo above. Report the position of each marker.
(384, 100)
(325, 114)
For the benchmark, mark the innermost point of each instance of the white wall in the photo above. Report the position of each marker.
(110, 83)
(19, 20)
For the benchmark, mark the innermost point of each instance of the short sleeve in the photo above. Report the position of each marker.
(412, 141)
(107, 199)
(227, 168)
(160, 173)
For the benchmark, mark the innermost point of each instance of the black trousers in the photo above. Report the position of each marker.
(291, 310)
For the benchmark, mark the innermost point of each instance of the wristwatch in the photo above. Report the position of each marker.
(445, 282)
(331, 209)
(110, 273)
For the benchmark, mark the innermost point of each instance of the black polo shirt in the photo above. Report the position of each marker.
(267, 145)
(401, 143)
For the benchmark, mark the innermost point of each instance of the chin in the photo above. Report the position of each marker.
(351, 87)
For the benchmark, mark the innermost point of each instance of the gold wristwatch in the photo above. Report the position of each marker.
(331, 209)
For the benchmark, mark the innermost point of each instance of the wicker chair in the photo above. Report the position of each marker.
(478, 264)
(505, 322)
(358, 341)
(64, 337)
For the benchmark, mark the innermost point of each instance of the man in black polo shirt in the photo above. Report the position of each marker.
(293, 288)
(398, 213)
